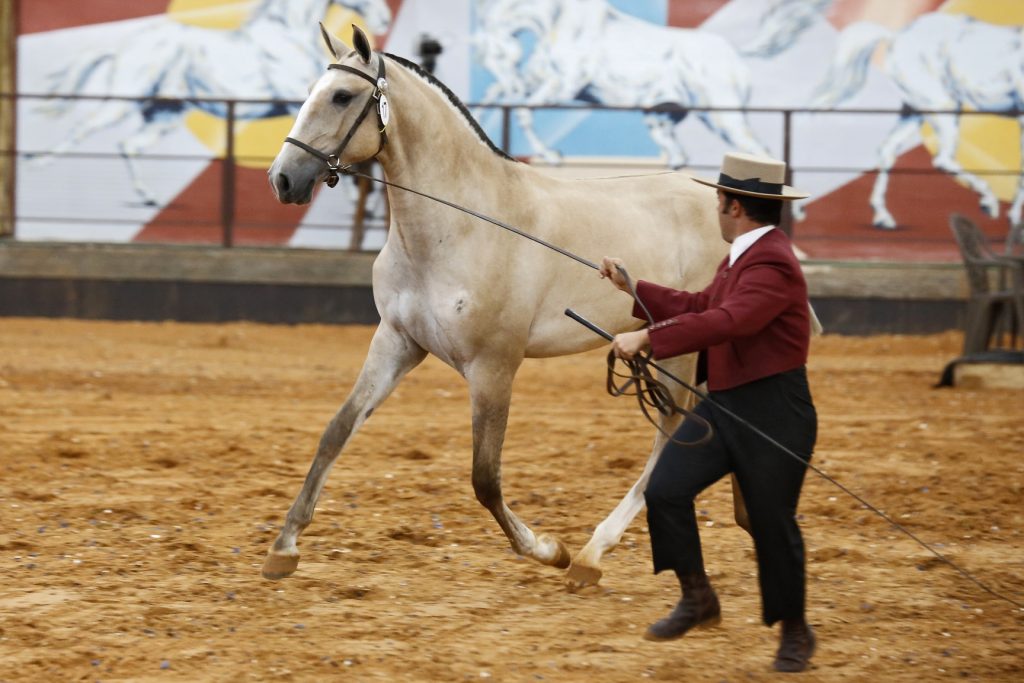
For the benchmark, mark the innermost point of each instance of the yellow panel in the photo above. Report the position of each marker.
(217, 14)
(1008, 12)
(987, 142)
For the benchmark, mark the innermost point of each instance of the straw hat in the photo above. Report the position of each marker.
(754, 176)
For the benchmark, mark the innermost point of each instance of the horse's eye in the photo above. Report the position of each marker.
(342, 97)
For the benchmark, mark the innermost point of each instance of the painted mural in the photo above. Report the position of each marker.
(883, 181)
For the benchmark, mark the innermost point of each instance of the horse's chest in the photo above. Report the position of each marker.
(442, 322)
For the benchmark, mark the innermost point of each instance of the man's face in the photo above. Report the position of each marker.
(727, 216)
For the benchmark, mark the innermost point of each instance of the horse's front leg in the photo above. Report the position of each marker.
(390, 357)
(490, 385)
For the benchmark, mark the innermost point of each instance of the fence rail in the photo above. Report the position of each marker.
(225, 214)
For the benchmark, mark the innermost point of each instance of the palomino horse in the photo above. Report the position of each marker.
(174, 60)
(940, 61)
(478, 298)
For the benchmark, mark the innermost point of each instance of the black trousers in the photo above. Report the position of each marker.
(769, 479)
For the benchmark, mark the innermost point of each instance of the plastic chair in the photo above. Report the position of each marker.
(996, 289)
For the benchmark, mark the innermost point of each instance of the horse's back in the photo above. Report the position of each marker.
(664, 226)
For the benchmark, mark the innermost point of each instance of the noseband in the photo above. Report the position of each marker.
(380, 86)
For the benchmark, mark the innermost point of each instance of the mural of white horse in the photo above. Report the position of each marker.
(577, 56)
(939, 62)
(267, 57)
(478, 298)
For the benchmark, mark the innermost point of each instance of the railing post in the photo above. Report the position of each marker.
(227, 202)
(506, 129)
(786, 224)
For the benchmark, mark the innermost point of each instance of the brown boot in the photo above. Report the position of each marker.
(699, 608)
(796, 646)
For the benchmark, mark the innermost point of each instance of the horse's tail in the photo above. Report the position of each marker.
(71, 80)
(849, 69)
(781, 25)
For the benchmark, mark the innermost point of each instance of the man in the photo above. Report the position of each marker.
(751, 326)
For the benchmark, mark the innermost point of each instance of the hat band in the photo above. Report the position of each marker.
(750, 184)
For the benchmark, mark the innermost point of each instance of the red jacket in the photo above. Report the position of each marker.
(752, 321)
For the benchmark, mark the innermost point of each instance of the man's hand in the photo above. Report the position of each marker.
(610, 269)
(628, 344)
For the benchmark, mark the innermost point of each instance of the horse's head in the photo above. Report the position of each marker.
(340, 123)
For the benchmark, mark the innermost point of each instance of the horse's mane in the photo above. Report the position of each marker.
(453, 98)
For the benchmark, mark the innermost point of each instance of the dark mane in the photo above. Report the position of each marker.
(452, 97)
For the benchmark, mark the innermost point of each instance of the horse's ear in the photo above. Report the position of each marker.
(334, 46)
(361, 43)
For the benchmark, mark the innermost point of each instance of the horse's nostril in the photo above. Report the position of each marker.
(283, 184)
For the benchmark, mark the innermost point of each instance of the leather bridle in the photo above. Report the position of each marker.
(378, 95)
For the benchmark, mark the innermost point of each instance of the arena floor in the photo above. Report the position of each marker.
(145, 468)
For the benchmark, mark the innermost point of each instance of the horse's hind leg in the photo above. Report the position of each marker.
(490, 385)
(585, 569)
(947, 130)
(391, 356)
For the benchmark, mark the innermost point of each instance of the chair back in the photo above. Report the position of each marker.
(975, 250)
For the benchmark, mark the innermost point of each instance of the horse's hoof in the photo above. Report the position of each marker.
(562, 558)
(278, 566)
(580, 576)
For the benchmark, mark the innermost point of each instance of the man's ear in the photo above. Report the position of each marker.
(361, 43)
(334, 46)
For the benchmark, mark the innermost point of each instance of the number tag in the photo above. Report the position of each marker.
(383, 110)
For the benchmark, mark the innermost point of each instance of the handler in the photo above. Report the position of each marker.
(752, 328)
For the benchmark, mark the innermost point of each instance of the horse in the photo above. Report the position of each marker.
(170, 59)
(576, 57)
(479, 299)
(938, 62)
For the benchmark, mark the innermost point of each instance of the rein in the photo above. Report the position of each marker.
(649, 392)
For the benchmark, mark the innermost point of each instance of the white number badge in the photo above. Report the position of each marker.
(384, 110)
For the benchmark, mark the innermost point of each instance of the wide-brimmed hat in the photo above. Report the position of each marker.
(754, 176)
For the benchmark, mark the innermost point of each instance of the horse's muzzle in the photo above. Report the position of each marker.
(290, 190)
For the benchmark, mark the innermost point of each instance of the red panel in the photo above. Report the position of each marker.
(842, 13)
(692, 13)
(838, 226)
(35, 15)
(194, 215)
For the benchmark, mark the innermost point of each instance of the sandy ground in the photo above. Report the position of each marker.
(145, 468)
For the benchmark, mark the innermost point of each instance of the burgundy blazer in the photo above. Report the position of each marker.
(752, 321)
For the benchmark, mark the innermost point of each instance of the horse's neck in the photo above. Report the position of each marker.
(434, 149)
(294, 14)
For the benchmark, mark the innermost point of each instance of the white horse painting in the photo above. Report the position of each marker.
(480, 299)
(938, 62)
(272, 55)
(578, 55)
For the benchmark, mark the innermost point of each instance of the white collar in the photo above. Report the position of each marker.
(745, 241)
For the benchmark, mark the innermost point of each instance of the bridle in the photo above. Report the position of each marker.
(380, 86)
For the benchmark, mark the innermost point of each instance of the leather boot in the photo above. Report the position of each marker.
(796, 645)
(698, 609)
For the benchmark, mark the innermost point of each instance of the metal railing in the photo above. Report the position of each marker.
(229, 160)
